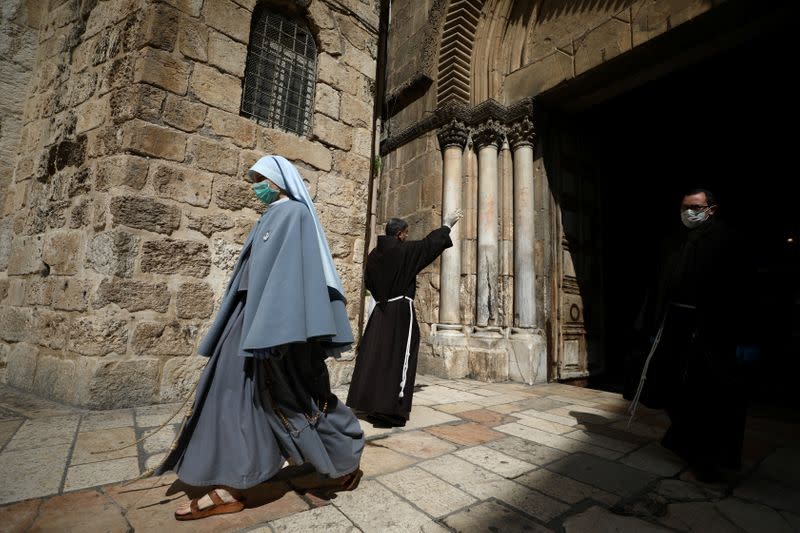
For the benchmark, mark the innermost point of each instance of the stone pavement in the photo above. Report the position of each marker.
(474, 457)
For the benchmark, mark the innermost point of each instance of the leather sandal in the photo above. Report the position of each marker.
(219, 506)
(327, 489)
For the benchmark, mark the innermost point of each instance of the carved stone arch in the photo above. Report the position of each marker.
(455, 51)
(320, 19)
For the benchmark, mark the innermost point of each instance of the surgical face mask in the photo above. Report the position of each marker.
(265, 193)
(692, 218)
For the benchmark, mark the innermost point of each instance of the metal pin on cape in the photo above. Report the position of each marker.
(266, 235)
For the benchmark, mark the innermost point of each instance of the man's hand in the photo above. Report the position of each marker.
(451, 218)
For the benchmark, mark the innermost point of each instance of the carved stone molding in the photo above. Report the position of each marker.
(521, 133)
(488, 133)
(454, 133)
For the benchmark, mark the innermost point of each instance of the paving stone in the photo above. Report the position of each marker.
(80, 511)
(373, 507)
(783, 466)
(101, 473)
(327, 519)
(467, 434)
(544, 425)
(602, 441)
(486, 417)
(486, 392)
(656, 459)
(542, 404)
(484, 484)
(491, 517)
(563, 488)
(768, 492)
(161, 440)
(417, 444)
(640, 429)
(31, 406)
(439, 394)
(606, 475)
(598, 519)
(36, 472)
(44, 432)
(563, 420)
(526, 451)
(753, 517)
(376, 460)
(677, 490)
(107, 419)
(7, 430)
(495, 461)
(90, 442)
(155, 415)
(588, 415)
(154, 460)
(371, 432)
(19, 517)
(792, 519)
(457, 407)
(555, 441)
(426, 491)
(571, 401)
(423, 416)
(488, 401)
(506, 408)
(701, 517)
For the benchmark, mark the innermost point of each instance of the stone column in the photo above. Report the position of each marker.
(452, 139)
(487, 138)
(521, 137)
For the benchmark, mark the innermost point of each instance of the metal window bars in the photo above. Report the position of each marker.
(280, 73)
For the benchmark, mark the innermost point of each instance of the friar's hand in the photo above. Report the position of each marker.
(451, 218)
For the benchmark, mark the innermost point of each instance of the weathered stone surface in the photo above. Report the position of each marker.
(149, 139)
(20, 363)
(145, 213)
(158, 338)
(215, 88)
(598, 519)
(362, 142)
(240, 130)
(327, 100)
(213, 155)
(351, 165)
(117, 384)
(229, 18)
(360, 60)
(235, 194)
(132, 294)
(15, 323)
(295, 148)
(491, 516)
(139, 101)
(355, 111)
(70, 294)
(182, 183)
(193, 38)
(170, 256)
(163, 70)
(179, 377)
(97, 335)
(194, 300)
(61, 251)
(226, 54)
(342, 77)
(184, 115)
(190, 7)
(49, 329)
(336, 190)
(26, 255)
(209, 224)
(113, 253)
(81, 214)
(38, 291)
(91, 114)
(158, 29)
(225, 255)
(332, 132)
(54, 376)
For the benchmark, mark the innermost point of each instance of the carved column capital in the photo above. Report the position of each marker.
(454, 133)
(521, 133)
(488, 133)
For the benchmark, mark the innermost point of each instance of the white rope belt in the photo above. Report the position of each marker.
(408, 340)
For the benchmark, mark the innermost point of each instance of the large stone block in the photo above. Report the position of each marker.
(190, 7)
(193, 38)
(26, 255)
(132, 294)
(327, 100)
(295, 148)
(240, 130)
(55, 376)
(360, 60)
(113, 253)
(61, 251)
(213, 155)
(352, 165)
(336, 190)
(179, 377)
(149, 139)
(210, 224)
(184, 115)
(332, 132)
(15, 323)
(92, 114)
(38, 291)
(343, 77)
(121, 170)
(128, 383)
(158, 29)
(215, 88)
(225, 255)
(488, 365)
(362, 142)
(21, 365)
(136, 101)
(50, 329)
(226, 54)
(158, 338)
(145, 213)
(356, 112)
(229, 18)
(235, 194)
(70, 294)
(170, 256)
(98, 335)
(182, 184)
(163, 70)
(194, 300)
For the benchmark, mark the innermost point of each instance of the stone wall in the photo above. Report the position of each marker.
(128, 206)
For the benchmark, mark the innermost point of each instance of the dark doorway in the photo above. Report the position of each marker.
(725, 123)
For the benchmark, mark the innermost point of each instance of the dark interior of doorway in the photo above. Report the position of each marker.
(729, 124)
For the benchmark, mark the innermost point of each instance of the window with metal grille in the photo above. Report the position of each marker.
(280, 72)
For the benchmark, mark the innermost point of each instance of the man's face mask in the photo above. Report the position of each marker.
(692, 218)
(265, 193)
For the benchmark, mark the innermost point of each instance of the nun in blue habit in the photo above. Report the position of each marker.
(264, 397)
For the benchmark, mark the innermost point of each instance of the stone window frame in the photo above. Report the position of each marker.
(279, 85)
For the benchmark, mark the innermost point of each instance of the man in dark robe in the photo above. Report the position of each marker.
(697, 317)
(386, 364)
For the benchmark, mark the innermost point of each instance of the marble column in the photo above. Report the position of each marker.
(452, 139)
(521, 138)
(487, 137)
